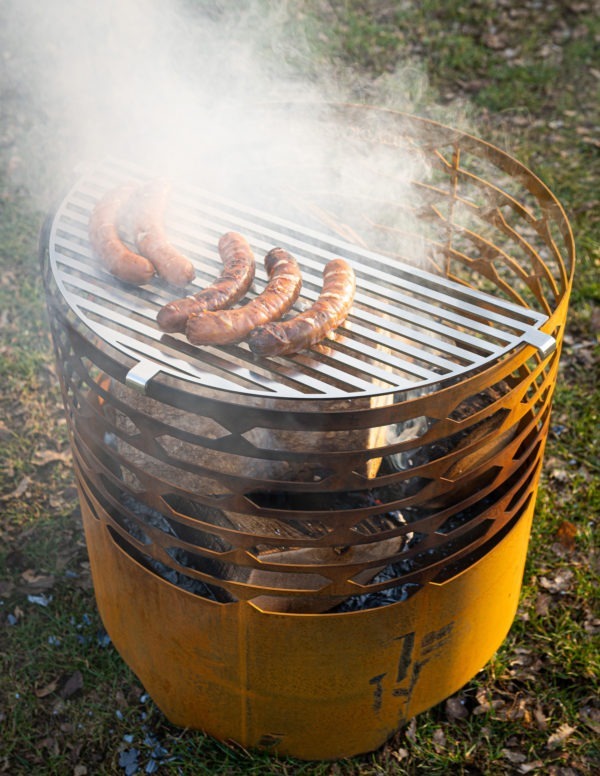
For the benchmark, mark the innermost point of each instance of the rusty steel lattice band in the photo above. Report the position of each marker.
(242, 491)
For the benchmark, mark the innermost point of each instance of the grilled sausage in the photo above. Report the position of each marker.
(150, 237)
(230, 286)
(311, 326)
(108, 246)
(226, 326)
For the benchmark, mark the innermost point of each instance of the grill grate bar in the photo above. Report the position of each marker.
(407, 304)
(403, 274)
(408, 328)
(363, 315)
(131, 303)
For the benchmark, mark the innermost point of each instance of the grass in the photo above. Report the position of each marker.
(69, 705)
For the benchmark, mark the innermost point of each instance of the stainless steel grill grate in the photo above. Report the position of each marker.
(408, 329)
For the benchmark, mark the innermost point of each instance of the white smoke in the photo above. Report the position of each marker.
(182, 89)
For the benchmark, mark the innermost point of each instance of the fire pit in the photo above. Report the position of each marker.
(302, 552)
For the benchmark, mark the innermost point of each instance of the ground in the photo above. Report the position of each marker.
(523, 75)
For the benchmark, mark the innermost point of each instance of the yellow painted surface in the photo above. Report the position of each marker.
(316, 686)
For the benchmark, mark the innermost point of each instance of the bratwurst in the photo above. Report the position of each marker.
(309, 327)
(108, 246)
(223, 327)
(230, 286)
(150, 237)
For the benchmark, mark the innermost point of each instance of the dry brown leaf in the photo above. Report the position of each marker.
(513, 756)
(560, 736)
(534, 765)
(579, 6)
(518, 710)
(411, 730)
(439, 740)
(19, 491)
(456, 709)
(400, 754)
(485, 706)
(43, 457)
(37, 582)
(542, 604)
(566, 534)
(540, 718)
(43, 692)
(591, 625)
(590, 716)
(72, 685)
(481, 695)
(525, 664)
(560, 583)
(494, 42)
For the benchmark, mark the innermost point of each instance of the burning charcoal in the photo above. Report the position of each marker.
(385, 597)
(151, 517)
(148, 516)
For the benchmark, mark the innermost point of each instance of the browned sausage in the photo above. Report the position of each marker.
(108, 246)
(150, 237)
(311, 326)
(226, 326)
(230, 286)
